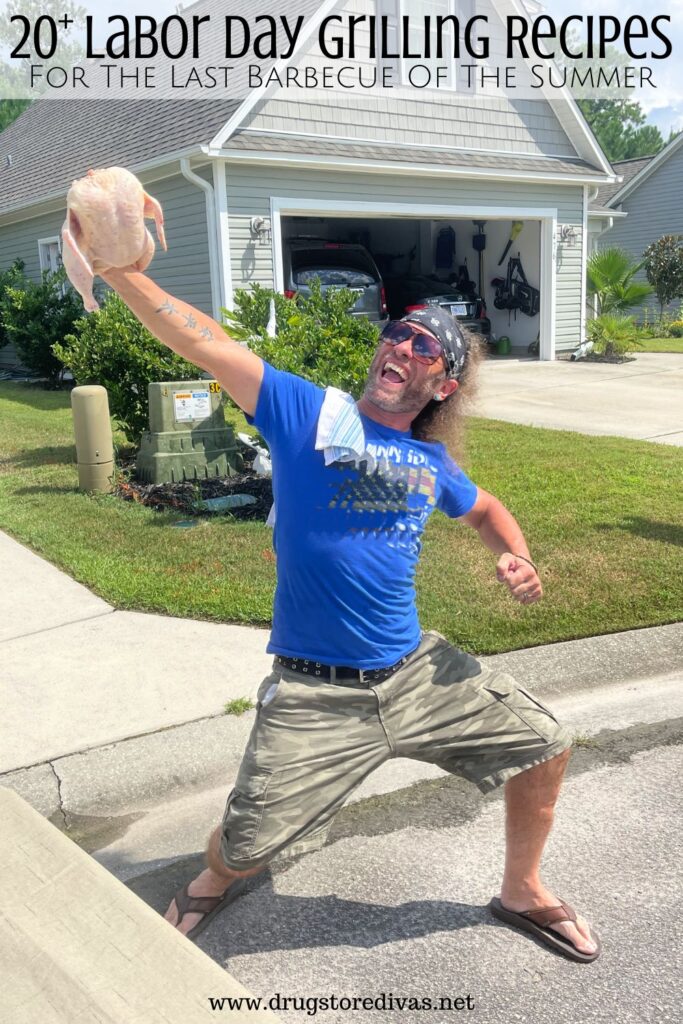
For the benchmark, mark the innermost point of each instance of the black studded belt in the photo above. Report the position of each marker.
(340, 673)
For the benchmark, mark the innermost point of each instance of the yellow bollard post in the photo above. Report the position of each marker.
(94, 446)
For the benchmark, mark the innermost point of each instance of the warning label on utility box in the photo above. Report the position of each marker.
(191, 405)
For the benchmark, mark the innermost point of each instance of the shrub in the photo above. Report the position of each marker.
(613, 336)
(10, 278)
(112, 348)
(663, 261)
(36, 316)
(317, 337)
(676, 329)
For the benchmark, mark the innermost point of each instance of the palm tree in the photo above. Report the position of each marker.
(610, 274)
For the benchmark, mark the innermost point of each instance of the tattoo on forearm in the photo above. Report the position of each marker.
(167, 307)
(190, 321)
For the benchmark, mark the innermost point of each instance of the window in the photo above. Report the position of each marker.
(50, 254)
(417, 71)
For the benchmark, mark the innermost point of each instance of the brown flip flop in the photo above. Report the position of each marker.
(537, 922)
(209, 906)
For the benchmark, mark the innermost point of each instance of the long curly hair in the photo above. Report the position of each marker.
(444, 421)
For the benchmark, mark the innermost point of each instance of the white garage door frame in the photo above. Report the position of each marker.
(281, 206)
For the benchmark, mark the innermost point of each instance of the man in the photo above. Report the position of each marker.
(354, 679)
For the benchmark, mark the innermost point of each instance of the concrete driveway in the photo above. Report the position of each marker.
(642, 399)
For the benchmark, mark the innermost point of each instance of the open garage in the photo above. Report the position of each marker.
(497, 256)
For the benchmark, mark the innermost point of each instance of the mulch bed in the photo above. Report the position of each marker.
(185, 497)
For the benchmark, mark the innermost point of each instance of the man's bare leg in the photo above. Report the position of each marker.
(530, 799)
(213, 881)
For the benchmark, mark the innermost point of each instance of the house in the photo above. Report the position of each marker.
(647, 204)
(389, 168)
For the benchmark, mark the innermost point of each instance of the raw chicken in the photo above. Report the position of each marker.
(105, 227)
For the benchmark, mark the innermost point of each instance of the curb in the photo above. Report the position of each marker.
(105, 780)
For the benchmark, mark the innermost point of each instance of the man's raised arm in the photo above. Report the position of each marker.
(192, 334)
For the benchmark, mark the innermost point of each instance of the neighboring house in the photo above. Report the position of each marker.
(646, 205)
(389, 169)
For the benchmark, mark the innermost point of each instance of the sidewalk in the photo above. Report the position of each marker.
(104, 708)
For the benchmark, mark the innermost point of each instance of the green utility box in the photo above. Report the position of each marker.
(188, 438)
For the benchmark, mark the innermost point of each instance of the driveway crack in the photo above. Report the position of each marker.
(62, 810)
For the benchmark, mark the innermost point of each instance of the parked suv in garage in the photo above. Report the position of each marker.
(338, 265)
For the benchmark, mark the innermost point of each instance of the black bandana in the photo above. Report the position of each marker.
(444, 327)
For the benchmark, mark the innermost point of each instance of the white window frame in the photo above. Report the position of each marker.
(463, 9)
(44, 255)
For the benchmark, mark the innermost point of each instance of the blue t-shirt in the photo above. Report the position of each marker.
(347, 536)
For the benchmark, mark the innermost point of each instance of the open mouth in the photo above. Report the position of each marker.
(392, 373)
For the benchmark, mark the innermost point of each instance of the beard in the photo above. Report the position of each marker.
(410, 396)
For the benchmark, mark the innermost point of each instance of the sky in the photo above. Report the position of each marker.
(664, 105)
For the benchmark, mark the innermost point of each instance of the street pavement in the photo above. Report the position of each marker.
(133, 756)
(640, 399)
(396, 900)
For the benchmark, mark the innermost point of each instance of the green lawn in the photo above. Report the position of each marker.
(602, 517)
(661, 345)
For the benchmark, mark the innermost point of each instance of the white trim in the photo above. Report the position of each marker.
(607, 213)
(584, 258)
(648, 169)
(51, 240)
(547, 216)
(223, 232)
(411, 145)
(548, 310)
(214, 257)
(276, 240)
(383, 167)
(256, 95)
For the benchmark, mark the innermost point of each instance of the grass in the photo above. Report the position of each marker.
(602, 517)
(660, 345)
(238, 706)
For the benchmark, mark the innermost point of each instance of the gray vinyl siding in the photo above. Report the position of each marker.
(654, 208)
(183, 270)
(407, 115)
(250, 189)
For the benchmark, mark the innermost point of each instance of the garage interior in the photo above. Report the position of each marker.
(405, 247)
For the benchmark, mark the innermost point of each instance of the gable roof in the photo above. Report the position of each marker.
(649, 166)
(45, 159)
(626, 169)
(136, 133)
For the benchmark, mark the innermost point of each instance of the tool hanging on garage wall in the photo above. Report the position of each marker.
(462, 281)
(515, 231)
(445, 249)
(479, 245)
(513, 292)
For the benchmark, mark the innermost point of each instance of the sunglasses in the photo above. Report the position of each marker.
(425, 348)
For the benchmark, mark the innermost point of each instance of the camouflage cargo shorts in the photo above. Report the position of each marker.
(314, 742)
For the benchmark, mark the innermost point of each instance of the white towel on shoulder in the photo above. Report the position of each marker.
(340, 429)
(340, 433)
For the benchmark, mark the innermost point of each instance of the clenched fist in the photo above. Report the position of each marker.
(520, 577)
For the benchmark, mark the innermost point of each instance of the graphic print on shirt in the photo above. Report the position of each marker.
(392, 489)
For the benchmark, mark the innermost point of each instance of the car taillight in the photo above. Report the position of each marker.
(332, 245)
(413, 309)
(482, 314)
(289, 294)
(383, 298)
